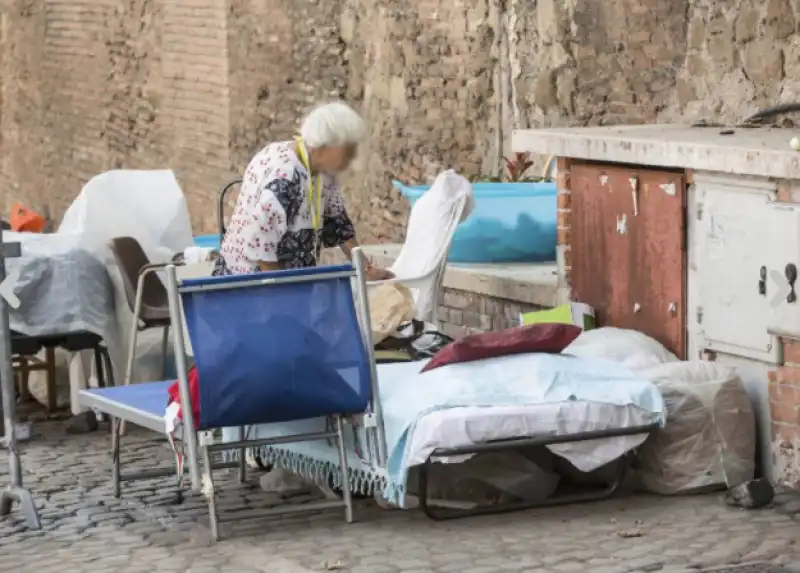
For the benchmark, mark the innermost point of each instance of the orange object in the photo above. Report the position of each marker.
(24, 220)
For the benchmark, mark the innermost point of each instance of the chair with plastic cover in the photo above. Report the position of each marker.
(422, 261)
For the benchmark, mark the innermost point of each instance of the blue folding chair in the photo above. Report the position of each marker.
(269, 347)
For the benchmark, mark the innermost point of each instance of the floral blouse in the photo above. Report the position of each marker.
(273, 220)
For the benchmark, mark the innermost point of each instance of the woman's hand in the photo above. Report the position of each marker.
(376, 274)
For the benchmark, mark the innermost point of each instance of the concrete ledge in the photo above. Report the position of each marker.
(741, 151)
(534, 284)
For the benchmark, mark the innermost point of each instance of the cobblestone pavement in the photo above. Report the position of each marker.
(154, 529)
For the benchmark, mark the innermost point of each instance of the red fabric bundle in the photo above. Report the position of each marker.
(550, 338)
(194, 395)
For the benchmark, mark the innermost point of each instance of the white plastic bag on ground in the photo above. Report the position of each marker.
(632, 349)
(709, 440)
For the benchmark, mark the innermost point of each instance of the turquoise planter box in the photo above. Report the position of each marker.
(208, 241)
(511, 223)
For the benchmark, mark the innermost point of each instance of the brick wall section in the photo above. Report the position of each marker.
(104, 84)
(463, 313)
(60, 45)
(784, 396)
(194, 126)
(199, 85)
(564, 221)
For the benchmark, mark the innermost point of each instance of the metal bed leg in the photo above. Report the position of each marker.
(137, 310)
(448, 514)
(108, 374)
(211, 494)
(347, 495)
(242, 458)
(115, 458)
(50, 369)
(25, 376)
(537, 441)
(99, 367)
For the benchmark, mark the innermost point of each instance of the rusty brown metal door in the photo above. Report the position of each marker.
(628, 249)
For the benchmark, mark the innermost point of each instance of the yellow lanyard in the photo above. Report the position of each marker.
(315, 206)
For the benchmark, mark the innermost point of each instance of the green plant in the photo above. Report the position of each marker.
(514, 172)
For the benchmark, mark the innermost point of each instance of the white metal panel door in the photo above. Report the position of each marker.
(730, 254)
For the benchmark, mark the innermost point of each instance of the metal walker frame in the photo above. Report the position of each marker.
(15, 492)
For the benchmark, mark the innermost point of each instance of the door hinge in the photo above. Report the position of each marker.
(699, 315)
(699, 212)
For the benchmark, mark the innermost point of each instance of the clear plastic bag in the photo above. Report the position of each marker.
(709, 440)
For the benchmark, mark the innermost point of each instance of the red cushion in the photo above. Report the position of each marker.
(550, 338)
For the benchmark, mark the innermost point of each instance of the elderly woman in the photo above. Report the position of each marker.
(290, 205)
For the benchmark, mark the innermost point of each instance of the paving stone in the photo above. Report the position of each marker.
(154, 529)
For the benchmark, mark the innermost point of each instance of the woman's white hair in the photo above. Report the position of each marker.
(333, 125)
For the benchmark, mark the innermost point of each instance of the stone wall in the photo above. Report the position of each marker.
(199, 85)
(633, 61)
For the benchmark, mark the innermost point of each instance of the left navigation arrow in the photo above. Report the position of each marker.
(7, 289)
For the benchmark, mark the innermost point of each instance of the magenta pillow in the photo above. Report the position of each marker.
(550, 338)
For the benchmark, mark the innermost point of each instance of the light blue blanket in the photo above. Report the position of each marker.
(407, 396)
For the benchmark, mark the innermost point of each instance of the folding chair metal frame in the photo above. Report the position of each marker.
(133, 339)
(203, 480)
(136, 327)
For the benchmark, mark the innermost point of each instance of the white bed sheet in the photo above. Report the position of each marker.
(509, 397)
(462, 427)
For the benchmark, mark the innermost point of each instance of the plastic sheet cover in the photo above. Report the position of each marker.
(710, 440)
(61, 287)
(69, 280)
(273, 353)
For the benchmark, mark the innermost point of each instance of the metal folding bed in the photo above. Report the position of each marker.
(277, 347)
